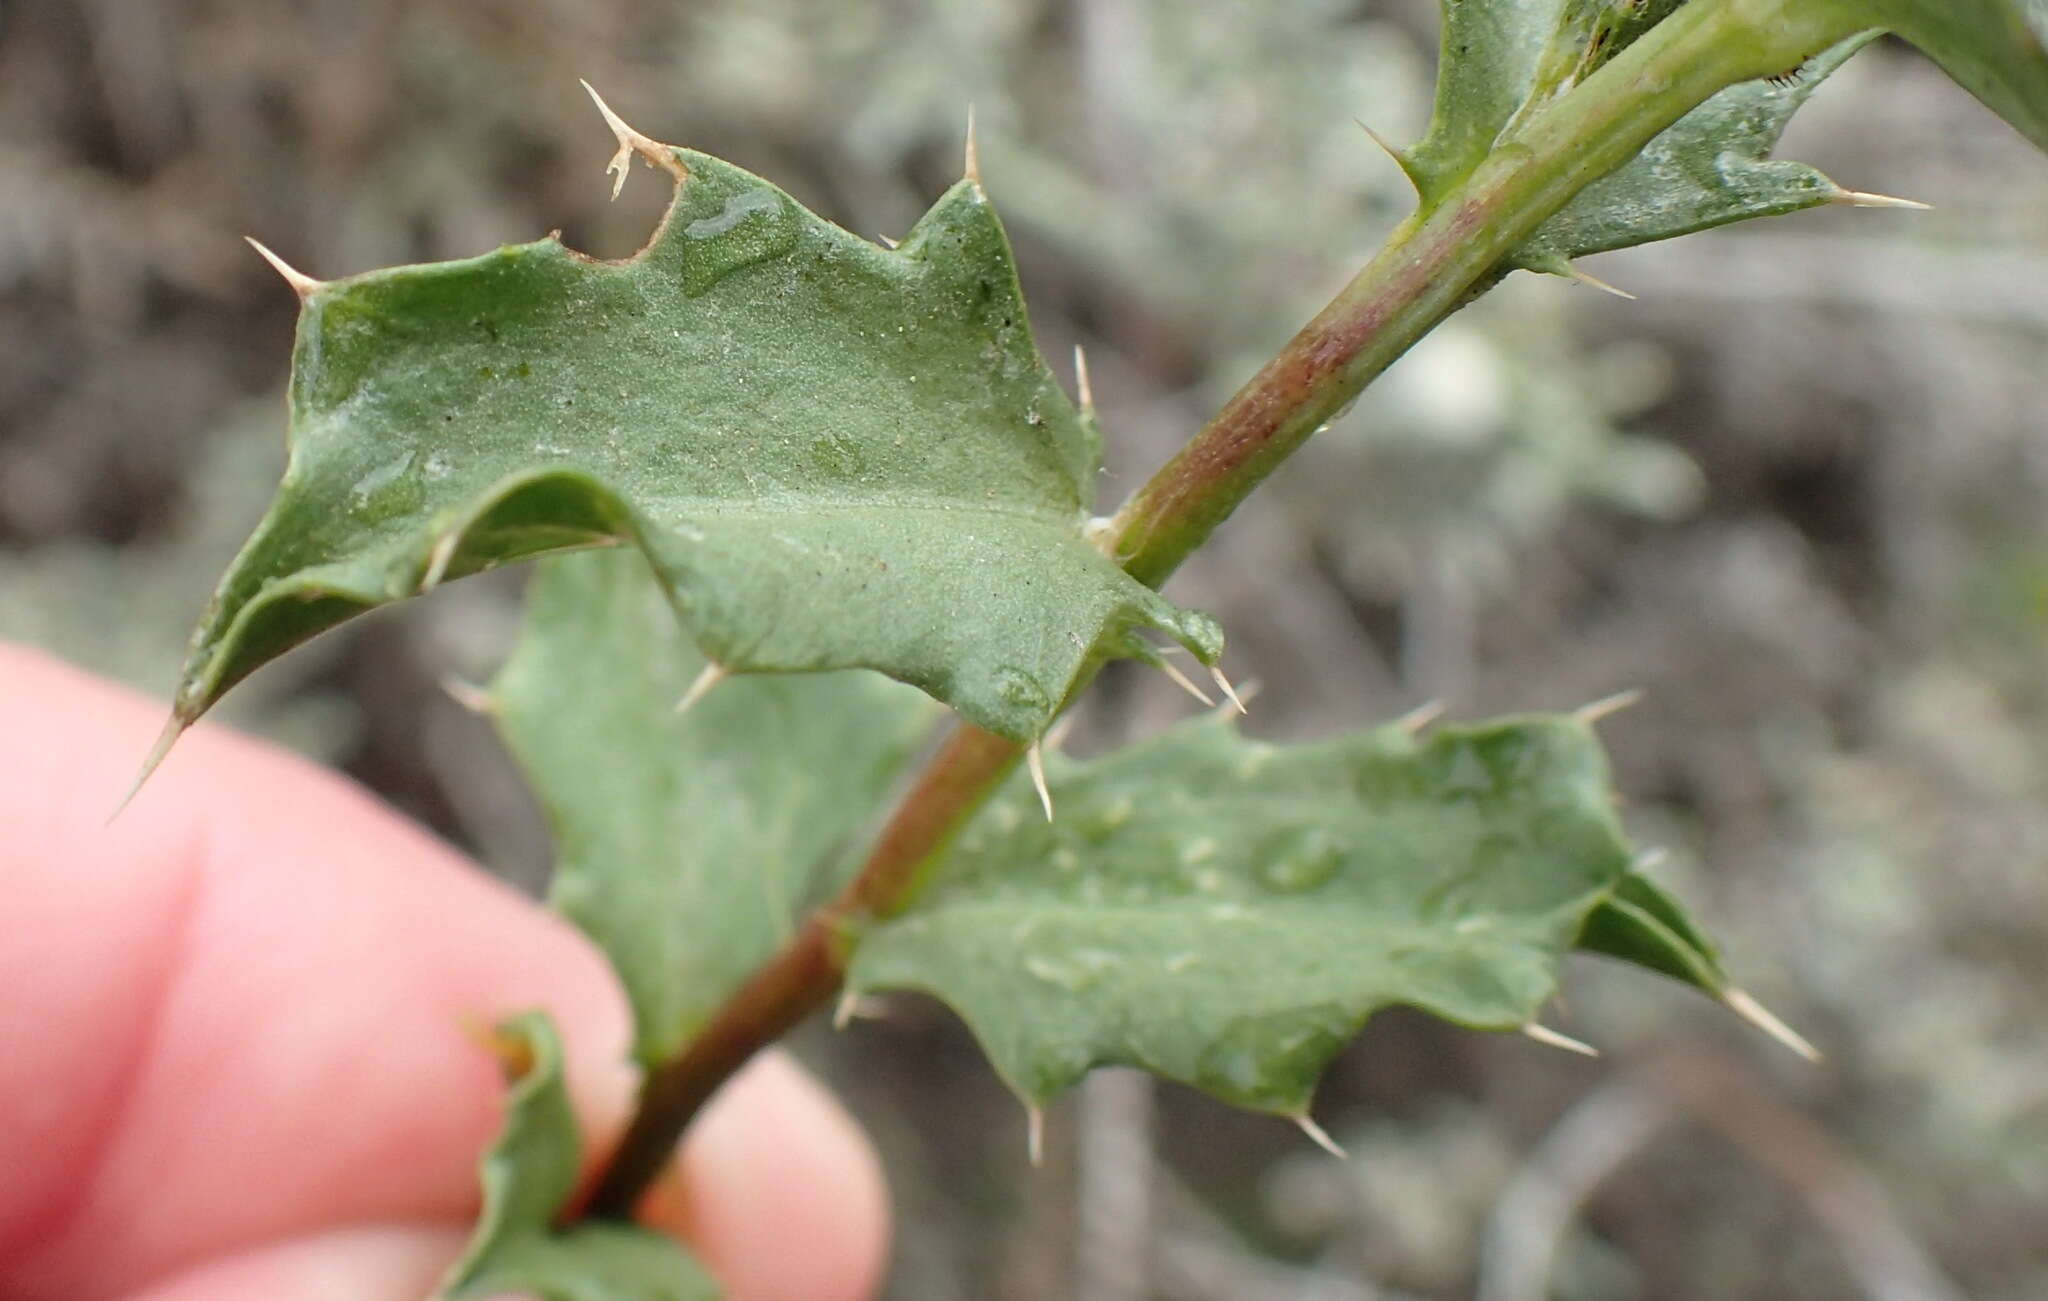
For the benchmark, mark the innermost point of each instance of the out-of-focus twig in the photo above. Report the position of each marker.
(1617, 1120)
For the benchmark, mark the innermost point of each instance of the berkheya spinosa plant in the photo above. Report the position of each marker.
(823, 491)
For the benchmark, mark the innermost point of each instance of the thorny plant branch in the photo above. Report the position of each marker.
(1440, 258)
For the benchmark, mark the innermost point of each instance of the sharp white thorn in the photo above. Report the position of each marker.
(1543, 1034)
(1592, 281)
(1185, 683)
(1034, 759)
(469, 695)
(631, 142)
(174, 727)
(1223, 685)
(1420, 717)
(971, 167)
(302, 284)
(887, 242)
(713, 674)
(442, 557)
(1746, 1007)
(1863, 199)
(1319, 1136)
(848, 1006)
(1607, 706)
(1034, 1134)
(1082, 386)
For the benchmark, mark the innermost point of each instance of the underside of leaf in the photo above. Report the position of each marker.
(1712, 168)
(689, 845)
(1228, 913)
(835, 455)
(529, 1174)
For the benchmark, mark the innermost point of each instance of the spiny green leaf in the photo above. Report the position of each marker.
(1711, 168)
(835, 455)
(1507, 59)
(1993, 48)
(528, 1176)
(688, 845)
(1228, 913)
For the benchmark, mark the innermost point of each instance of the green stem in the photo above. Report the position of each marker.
(1431, 266)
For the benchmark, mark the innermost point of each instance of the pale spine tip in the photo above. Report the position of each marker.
(1229, 692)
(888, 243)
(971, 164)
(713, 674)
(470, 696)
(1420, 717)
(174, 727)
(1764, 1019)
(302, 284)
(442, 556)
(1034, 1134)
(1184, 682)
(1319, 1136)
(1082, 386)
(1550, 1038)
(1608, 706)
(847, 1008)
(1034, 759)
(1400, 159)
(1592, 281)
(1863, 199)
(632, 142)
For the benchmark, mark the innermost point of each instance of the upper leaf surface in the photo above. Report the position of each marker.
(835, 455)
(688, 845)
(528, 1175)
(1228, 913)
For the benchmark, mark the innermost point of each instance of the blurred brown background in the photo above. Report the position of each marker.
(1794, 494)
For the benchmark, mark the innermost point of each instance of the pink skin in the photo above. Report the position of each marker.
(235, 1057)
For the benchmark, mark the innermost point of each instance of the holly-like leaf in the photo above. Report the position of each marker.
(835, 455)
(1711, 168)
(688, 845)
(528, 1175)
(1228, 913)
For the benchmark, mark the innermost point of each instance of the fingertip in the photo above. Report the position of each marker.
(399, 1262)
(779, 1191)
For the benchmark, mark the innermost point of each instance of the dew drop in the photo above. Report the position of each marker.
(754, 225)
(1075, 972)
(1301, 861)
